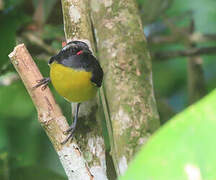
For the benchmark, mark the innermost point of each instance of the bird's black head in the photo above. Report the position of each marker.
(76, 46)
(71, 48)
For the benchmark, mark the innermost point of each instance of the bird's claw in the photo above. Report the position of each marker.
(72, 128)
(42, 82)
(68, 138)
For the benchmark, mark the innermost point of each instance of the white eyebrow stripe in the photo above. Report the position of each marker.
(68, 46)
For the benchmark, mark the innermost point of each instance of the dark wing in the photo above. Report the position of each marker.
(97, 71)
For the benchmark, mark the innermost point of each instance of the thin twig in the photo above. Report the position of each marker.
(182, 53)
(195, 37)
(33, 38)
(50, 116)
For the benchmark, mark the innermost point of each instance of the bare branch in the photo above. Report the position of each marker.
(50, 116)
(33, 38)
(184, 53)
(195, 37)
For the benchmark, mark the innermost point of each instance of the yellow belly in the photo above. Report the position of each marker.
(73, 85)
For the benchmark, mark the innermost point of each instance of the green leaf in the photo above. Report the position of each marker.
(182, 149)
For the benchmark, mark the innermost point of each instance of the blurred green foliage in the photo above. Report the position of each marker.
(10, 22)
(182, 149)
(25, 151)
(170, 77)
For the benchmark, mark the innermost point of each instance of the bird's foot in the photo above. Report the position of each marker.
(72, 128)
(69, 131)
(42, 82)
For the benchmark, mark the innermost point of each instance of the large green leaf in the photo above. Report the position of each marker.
(183, 149)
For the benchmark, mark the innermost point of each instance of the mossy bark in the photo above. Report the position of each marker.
(127, 83)
(89, 137)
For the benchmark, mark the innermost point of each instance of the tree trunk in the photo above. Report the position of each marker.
(127, 95)
(77, 26)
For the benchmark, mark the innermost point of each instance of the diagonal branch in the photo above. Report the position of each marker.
(50, 116)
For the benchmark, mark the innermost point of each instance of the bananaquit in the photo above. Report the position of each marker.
(76, 75)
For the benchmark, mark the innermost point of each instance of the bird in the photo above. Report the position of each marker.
(76, 75)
